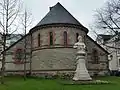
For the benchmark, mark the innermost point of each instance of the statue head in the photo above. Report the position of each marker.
(80, 39)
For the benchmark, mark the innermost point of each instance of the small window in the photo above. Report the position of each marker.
(95, 56)
(51, 38)
(77, 34)
(38, 40)
(119, 61)
(65, 38)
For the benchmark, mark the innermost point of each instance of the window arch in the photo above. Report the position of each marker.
(51, 38)
(77, 34)
(19, 56)
(38, 40)
(65, 37)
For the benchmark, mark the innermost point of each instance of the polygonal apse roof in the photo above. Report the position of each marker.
(58, 14)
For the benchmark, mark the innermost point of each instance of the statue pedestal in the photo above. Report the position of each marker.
(81, 72)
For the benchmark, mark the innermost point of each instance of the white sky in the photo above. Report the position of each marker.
(82, 10)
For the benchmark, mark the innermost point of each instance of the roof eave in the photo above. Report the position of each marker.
(59, 24)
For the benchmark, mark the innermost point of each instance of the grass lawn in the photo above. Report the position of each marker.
(18, 83)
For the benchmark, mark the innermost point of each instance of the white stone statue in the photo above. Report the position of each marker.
(81, 72)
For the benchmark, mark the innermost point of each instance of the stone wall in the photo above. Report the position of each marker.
(57, 35)
(60, 58)
(11, 63)
(102, 65)
(53, 59)
(57, 57)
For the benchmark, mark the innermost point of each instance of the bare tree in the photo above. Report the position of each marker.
(108, 17)
(9, 10)
(26, 21)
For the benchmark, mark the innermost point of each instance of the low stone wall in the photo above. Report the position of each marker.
(63, 74)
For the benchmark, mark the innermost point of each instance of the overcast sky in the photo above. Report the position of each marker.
(82, 10)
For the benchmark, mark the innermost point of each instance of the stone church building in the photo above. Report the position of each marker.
(49, 47)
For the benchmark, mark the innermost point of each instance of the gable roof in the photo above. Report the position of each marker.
(12, 36)
(97, 44)
(17, 42)
(58, 14)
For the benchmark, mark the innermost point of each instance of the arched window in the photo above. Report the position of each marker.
(19, 55)
(77, 34)
(38, 40)
(119, 61)
(51, 38)
(65, 38)
(95, 56)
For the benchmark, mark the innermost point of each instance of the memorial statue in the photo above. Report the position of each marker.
(81, 72)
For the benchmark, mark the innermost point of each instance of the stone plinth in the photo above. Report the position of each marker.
(81, 72)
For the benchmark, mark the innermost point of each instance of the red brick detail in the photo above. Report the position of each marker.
(68, 40)
(18, 62)
(62, 38)
(48, 35)
(54, 37)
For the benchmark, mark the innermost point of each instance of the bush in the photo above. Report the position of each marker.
(95, 82)
(67, 76)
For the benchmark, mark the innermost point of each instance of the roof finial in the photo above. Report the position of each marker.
(51, 8)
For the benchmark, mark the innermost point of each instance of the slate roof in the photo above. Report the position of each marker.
(14, 36)
(58, 15)
(105, 37)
